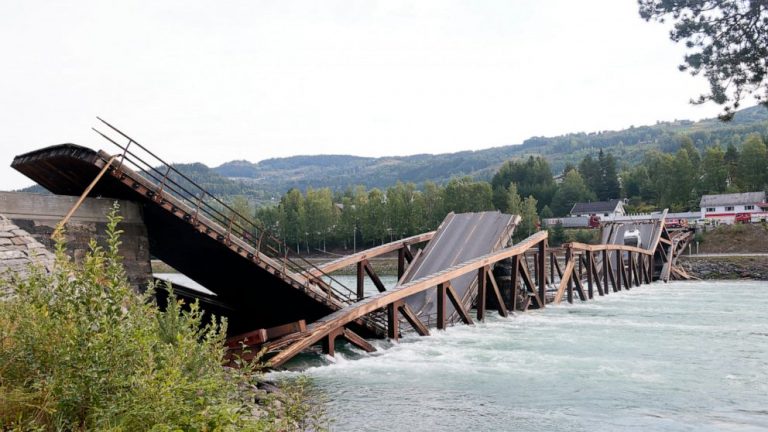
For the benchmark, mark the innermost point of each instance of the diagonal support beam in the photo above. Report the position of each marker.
(564, 279)
(526, 276)
(497, 293)
(624, 273)
(374, 277)
(596, 275)
(414, 320)
(357, 340)
(611, 272)
(454, 297)
(580, 288)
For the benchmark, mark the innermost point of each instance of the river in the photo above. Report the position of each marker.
(683, 356)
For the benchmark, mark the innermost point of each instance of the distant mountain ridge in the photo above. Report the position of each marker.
(273, 177)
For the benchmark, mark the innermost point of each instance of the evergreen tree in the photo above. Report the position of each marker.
(714, 171)
(683, 176)
(532, 176)
(659, 185)
(609, 187)
(572, 190)
(753, 165)
(514, 203)
(731, 159)
(546, 213)
(686, 143)
(557, 235)
(634, 180)
(590, 171)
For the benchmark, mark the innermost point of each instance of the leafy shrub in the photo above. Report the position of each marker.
(698, 237)
(588, 236)
(80, 350)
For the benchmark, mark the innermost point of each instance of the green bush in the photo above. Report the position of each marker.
(80, 350)
(588, 236)
(698, 237)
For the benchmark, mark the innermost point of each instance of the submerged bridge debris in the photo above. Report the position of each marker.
(281, 304)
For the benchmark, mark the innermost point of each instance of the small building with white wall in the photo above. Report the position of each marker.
(724, 207)
(603, 209)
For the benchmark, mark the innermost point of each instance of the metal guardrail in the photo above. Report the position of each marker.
(170, 180)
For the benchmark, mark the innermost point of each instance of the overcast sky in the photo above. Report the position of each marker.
(216, 81)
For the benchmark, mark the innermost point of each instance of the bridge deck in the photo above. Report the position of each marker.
(264, 292)
(459, 238)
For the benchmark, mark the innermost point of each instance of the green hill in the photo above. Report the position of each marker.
(275, 176)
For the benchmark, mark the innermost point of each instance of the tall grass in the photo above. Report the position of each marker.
(81, 350)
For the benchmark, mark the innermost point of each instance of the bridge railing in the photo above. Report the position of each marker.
(170, 180)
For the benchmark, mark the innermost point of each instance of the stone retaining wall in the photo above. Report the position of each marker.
(718, 268)
(18, 252)
(39, 214)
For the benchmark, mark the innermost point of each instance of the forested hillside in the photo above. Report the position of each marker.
(273, 177)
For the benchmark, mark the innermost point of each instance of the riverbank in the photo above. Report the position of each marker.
(726, 267)
(739, 238)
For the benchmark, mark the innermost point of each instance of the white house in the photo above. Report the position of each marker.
(604, 209)
(725, 207)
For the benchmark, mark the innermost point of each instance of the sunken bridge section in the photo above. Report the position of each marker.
(281, 304)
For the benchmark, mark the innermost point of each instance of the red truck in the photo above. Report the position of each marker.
(594, 221)
(743, 218)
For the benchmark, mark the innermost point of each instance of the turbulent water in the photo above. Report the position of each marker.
(686, 356)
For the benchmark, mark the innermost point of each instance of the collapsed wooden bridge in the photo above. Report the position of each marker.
(575, 269)
(468, 263)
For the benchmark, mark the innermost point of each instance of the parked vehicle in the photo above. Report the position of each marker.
(743, 218)
(594, 221)
(676, 223)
